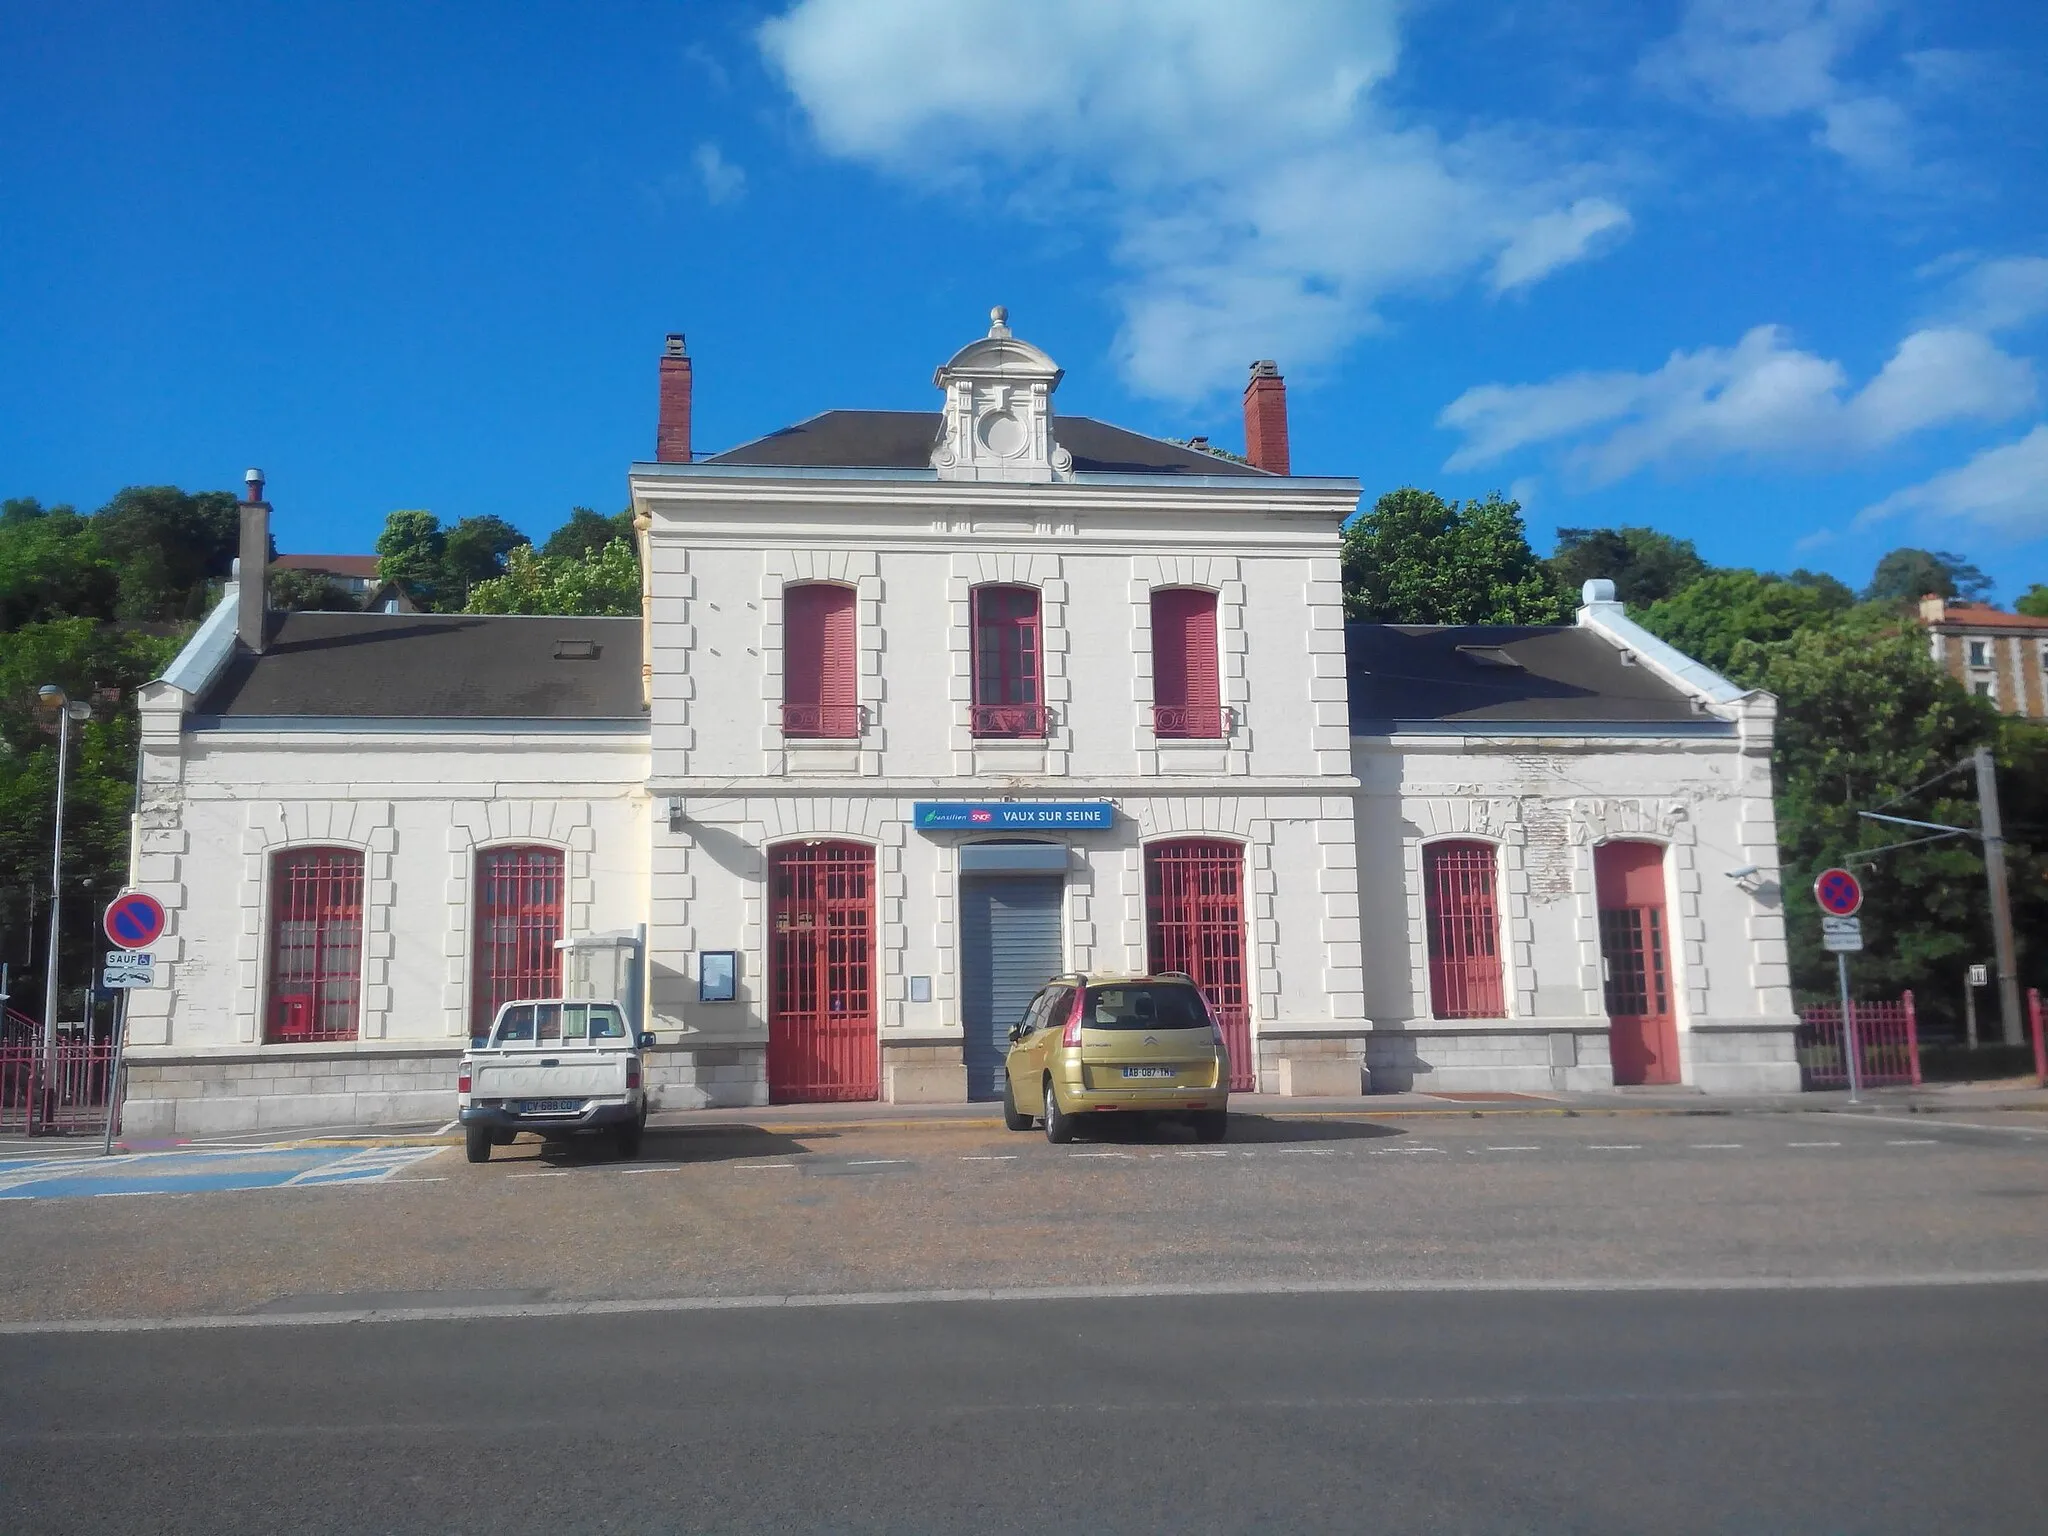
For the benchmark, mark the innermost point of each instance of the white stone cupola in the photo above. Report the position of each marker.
(997, 423)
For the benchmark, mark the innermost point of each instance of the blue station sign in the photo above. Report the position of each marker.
(1008, 815)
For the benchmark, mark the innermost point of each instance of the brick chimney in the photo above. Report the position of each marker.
(252, 601)
(672, 428)
(1933, 608)
(1265, 418)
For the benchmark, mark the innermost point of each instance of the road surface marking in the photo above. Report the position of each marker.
(552, 1173)
(1912, 1143)
(1402, 1151)
(1813, 1143)
(1514, 1149)
(1010, 1295)
(1717, 1146)
(875, 1162)
(753, 1167)
(1101, 1154)
(1204, 1152)
(1614, 1146)
(999, 1157)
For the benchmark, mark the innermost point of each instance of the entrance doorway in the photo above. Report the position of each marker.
(821, 998)
(1628, 878)
(1194, 922)
(1010, 946)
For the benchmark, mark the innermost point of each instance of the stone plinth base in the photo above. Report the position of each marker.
(1321, 1077)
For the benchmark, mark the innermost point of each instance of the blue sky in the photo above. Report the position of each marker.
(1768, 274)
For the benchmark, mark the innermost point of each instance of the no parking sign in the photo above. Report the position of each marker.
(134, 920)
(1839, 893)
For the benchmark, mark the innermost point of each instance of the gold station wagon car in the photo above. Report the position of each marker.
(1134, 1043)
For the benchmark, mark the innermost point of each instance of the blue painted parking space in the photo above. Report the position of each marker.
(189, 1171)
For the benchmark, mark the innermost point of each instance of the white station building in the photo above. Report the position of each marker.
(924, 708)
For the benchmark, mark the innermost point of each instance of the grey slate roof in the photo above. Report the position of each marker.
(439, 666)
(904, 439)
(1503, 673)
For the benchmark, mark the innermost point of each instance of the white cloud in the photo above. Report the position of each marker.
(1999, 295)
(2003, 488)
(1553, 240)
(1763, 397)
(1258, 197)
(1778, 59)
(722, 180)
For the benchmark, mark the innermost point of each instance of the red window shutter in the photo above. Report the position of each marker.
(820, 694)
(316, 944)
(1007, 700)
(1187, 692)
(1463, 923)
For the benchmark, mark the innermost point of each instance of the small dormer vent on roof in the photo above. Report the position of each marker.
(1490, 656)
(997, 422)
(577, 650)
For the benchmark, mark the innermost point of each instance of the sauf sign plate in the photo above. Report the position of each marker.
(1010, 815)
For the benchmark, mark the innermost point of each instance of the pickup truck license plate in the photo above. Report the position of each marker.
(1148, 1071)
(547, 1106)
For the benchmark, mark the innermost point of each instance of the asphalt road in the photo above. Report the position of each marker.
(738, 1211)
(1863, 1410)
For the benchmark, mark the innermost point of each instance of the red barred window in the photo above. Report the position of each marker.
(1008, 695)
(519, 912)
(316, 945)
(819, 688)
(1463, 919)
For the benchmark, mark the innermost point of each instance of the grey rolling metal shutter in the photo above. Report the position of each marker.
(1009, 948)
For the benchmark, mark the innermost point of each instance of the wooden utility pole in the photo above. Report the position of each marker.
(2010, 1027)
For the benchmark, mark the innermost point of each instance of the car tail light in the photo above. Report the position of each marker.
(1071, 1035)
(1215, 1028)
(462, 1082)
(633, 1073)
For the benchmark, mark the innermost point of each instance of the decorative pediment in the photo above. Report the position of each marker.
(997, 422)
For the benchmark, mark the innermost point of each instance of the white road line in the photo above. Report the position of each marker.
(757, 1167)
(1912, 1143)
(1101, 1154)
(1813, 1143)
(875, 1162)
(1594, 1285)
(1204, 1152)
(1402, 1151)
(1004, 1157)
(1514, 1149)
(1717, 1146)
(553, 1173)
(1614, 1146)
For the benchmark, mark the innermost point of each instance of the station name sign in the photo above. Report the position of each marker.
(1005, 815)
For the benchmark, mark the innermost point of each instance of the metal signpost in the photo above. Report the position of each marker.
(134, 921)
(1840, 895)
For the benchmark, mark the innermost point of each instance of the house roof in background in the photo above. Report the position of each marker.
(364, 566)
(435, 666)
(1503, 673)
(1981, 616)
(904, 440)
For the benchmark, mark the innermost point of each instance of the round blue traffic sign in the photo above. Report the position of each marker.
(135, 921)
(1839, 893)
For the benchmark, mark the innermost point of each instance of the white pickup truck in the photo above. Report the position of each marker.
(558, 1067)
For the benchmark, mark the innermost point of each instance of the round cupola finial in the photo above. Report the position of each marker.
(999, 321)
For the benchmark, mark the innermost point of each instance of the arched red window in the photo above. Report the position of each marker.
(819, 671)
(1009, 698)
(1187, 690)
(316, 945)
(519, 913)
(1462, 916)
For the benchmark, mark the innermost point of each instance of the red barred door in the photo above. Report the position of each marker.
(821, 1001)
(519, 915)
(1194, 922)
(1636, 955)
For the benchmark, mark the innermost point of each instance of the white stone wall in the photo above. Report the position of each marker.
(218, 806)
(1545, 804)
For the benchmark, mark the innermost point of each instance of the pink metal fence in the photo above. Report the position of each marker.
(2040, 1045)
(1887, 1045)
(53, 1093)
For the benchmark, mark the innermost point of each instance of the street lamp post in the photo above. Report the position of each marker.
(67, 711)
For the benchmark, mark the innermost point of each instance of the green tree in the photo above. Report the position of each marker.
(300, 591)
(587, 531)
(52, 565)
(409, 552)
(605, 582)
(169, 544)
(1643, 564)
(1715, 617)
(1907, 575)
(2033, 602)
(1418, 559)
(474, 551)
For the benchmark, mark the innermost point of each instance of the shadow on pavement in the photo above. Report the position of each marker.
(1244, 1129)
(669, 1144)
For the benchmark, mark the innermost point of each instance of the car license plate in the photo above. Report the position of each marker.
(548, 1106)
(1149, 1071)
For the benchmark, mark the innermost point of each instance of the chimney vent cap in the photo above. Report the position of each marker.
(1265, 368)
(675, 345)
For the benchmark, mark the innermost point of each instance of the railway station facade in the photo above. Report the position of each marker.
(924, 707)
